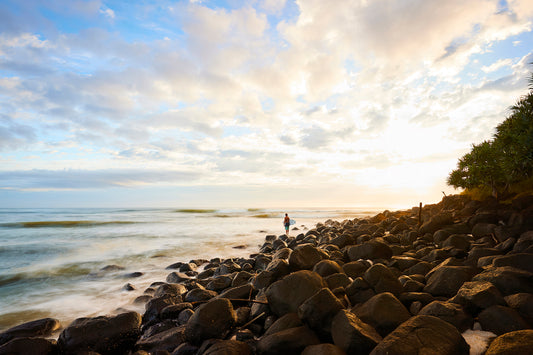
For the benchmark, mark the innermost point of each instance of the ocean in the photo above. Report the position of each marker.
(53, 261)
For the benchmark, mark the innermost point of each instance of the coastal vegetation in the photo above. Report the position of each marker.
(503, 165)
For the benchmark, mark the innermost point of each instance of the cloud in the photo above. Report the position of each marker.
(90, 179)
(15, 136)
(240, 94)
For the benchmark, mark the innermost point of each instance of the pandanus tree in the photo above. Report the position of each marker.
(506, 159)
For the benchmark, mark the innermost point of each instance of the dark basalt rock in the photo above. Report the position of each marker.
(327, 267)
(278, 268)
(287, 321)
(352, 335)
(199, 294)
(305, 256)
(323, 349)
(355, 268)
(501, 320)
(369, 250)
(381, 279)
(518, 261)
(37, 328)
(229, 347)
(154, 307)
(523, 304)
(170, 289)
(423, 335)
(507, 279)
(318, 311)
(211, 320)
(104, 335)
(447, 280)
(286, 295)
(383, 311)
(167, 340)
(449, 312)
(514, 343)
(26, 345)
(240, 292)
(337, 280)
(475, 296)
(288, 341)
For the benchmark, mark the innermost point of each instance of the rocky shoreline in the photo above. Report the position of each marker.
(428, 281)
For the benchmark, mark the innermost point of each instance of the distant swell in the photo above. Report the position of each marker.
(195, 211)
(62, 224)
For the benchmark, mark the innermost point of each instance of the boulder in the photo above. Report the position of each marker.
(288, 341)
(507, 279)
(423, 335)
(514, 343)
(104, 335)
(241, 278)
(523, 304)
(27, 346)
(286, 295)
(372, 249)
(337, 280)
(222, 347)
(263, 279)
(37, 328)
(323, 349)
(199, 294)
(318, 311)
(403, 262)
(278, 268)
(219, 283)
(287, 321)
(436, 222)
(177, 277)
(482, 229)
(172, 311)
(211, 320)
(458, 241)
(475, 296)
(355, 268)
(447, 280)
(359, 291)
(155, 305)
(421, 268)
(327, 267)
(500, 320)
(518, 261)
(170, 289)
(352, 335)
(381, 279)
(344, 240)
(167, 340)
(305, 256)
(524, 243)
(449, 312)
(239, 292)
(384, 312)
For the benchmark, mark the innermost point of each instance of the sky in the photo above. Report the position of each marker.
(253, 103)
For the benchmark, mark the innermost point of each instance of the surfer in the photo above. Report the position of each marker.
(286, 223)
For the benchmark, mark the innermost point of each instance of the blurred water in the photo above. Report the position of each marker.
(51, 260)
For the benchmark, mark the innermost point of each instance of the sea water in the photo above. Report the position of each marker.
(53, 261)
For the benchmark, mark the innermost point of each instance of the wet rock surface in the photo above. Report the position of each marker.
(387, 284)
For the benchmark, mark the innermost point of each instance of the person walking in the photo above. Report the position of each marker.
(286, 223)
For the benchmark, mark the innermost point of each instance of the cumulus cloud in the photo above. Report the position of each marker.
(239, 92)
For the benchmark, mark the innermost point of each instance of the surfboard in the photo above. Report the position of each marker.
(293, 222)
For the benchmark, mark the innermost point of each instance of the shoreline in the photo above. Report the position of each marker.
(462, 254)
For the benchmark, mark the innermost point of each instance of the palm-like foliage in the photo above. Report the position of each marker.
(505, 160)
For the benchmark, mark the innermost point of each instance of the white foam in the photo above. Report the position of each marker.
(478, 340)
